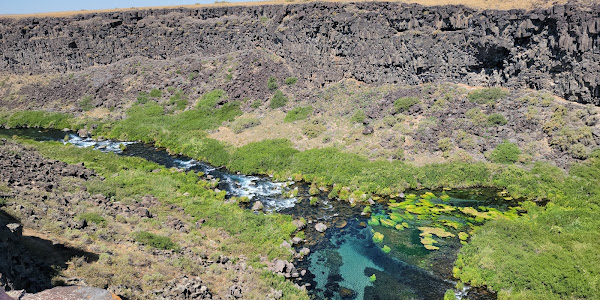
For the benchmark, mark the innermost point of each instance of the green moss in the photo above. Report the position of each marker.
(372, 278)
(386, 249)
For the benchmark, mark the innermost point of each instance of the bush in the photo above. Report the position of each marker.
(404, 104)
(487, 96)
(143, 98)
(298, 113)
(578, 151)
(313, 129)
(358, 116)
(445, 144)
(155, 93)
(278, 100)
(272, 83)
(496, 119)
(155, 241)
(505, 153)
(86, 103)
(242, 124)
(291, 80)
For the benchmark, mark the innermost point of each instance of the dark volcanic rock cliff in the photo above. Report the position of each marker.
(557, 49)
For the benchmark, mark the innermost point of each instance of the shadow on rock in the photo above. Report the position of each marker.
(29, 263)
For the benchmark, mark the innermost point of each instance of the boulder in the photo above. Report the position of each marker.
(320, 227)
(257, 206)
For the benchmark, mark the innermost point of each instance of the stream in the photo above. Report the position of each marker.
(344, 262)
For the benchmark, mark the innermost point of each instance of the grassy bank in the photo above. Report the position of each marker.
(549, 253)
(228, 229)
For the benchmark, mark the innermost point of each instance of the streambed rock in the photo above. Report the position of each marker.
(320, 227)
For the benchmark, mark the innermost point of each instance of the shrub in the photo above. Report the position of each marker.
(445, 144)
(86, 103)
(405, 103)
(505, 153)
(358, 116)
(298, 113)
(487, 96)
(272, 83)
(179, 100)
(313, 129)
(496, 119)
(291, 80)
(255, 104)
(278, 100)
(155, 93)
(477, 116)
(155, 241)
(578, 151)
(143, 98)
(242, 124)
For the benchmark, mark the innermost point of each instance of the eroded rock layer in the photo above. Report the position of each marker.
(557, 49)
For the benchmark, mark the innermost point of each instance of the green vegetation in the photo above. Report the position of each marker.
(93, 218)
(556, 256)
(155, 93)
(291, 80)
(298, 113)
(372, 278)
(39, 119)
(496, 119)
(358, 116)
(404, 104)
(179, 100)
(272, 83)
(505, 153)
(241, 124)
(313, 129)
(155, 241)
(487, 96)
(449, 295)
(182, 132)
(278, 100)
(86, 103)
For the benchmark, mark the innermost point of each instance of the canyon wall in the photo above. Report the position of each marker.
(556, 49)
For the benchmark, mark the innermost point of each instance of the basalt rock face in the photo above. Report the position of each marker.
(557, 49)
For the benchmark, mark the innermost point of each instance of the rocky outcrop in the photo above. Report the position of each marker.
(557, 48)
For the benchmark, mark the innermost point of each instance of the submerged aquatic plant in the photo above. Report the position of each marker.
(377, 237)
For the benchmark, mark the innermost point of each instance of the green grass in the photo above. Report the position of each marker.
(180, 132)
(298, 113)
(155, 241)
(93, 218)
(404, 104)
(39, 119)
(272, 83)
